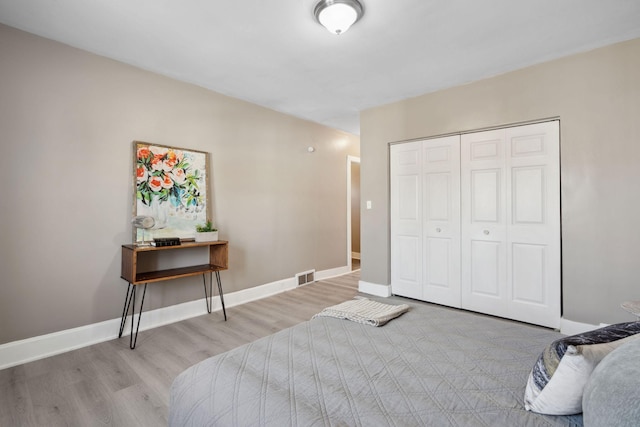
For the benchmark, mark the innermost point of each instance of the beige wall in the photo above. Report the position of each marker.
(596, 95)
(67, 121)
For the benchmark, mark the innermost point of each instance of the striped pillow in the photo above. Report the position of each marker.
(557, 380)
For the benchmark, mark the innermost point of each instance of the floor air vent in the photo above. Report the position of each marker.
(305, 277)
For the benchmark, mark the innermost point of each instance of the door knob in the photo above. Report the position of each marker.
(486, 232)
(438, 229)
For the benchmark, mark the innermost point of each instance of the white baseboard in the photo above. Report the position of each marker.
(569, 327)
(31, 349)
(374, 289)
(326, 274)
(355, 255)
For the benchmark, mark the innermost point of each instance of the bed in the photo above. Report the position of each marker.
(432, 366)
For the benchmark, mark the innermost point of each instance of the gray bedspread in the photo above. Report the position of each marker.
(433, 366)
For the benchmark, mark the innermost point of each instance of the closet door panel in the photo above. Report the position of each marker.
(406, 219)
(441, 220)
(533, 192)
(485, 196)
(483, 216)
(438, 258)
(408, 199)
(407, 268)
(528, 201)
(528, 273)
(485, 268)
(438, 192)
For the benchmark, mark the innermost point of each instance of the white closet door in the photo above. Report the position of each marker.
(483, 217)
(533, 194)
(406, 219)
(441, 215)
(511, 223)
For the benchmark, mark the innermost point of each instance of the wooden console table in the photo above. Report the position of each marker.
(218, 261)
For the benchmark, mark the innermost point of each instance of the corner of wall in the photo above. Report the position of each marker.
(374, 289)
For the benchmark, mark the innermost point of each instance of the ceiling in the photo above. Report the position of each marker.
(273, 53)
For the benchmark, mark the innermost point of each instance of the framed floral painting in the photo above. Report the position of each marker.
(170, 185)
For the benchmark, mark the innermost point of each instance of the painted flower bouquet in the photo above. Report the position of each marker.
(164, 174)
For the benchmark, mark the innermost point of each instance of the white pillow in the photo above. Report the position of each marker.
(556, 387)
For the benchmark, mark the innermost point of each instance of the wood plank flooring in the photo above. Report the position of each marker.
(108, 384)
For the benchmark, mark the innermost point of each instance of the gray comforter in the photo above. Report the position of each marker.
(433, 366)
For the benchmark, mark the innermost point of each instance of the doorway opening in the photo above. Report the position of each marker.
(353, 213)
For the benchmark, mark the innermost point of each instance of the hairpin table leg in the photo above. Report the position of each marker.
(130, 301)
(132, 338)
(208, 297)
(127, 301)
(221, 294)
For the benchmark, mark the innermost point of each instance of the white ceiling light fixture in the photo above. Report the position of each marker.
(338, 15)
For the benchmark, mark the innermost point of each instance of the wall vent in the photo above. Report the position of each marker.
(305, 277)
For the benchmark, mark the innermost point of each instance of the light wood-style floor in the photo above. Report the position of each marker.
(110, 385)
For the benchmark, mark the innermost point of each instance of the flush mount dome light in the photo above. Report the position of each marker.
(338, 15)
